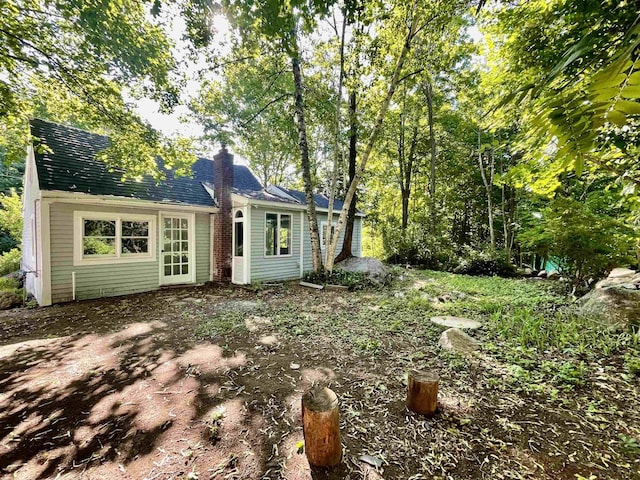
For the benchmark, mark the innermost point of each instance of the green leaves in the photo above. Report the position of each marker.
(73, 61)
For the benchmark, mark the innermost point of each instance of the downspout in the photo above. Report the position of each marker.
(73, 286)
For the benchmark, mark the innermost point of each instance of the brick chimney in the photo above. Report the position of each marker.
(223, 223)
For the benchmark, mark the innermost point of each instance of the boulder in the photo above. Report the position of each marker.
(615, 305)
(9, 299)
(542, 274)
(456, 322)
(457, 341)
(621, 272)
(553, 275)
(375, 270)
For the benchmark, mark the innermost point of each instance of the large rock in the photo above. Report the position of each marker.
(9, 299)
(621, 272)
(457, 341)
(375, 270)
(613, 304)
(456, 322)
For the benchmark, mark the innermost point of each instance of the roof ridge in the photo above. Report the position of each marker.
(94, 134)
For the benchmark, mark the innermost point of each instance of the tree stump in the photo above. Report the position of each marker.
(321, 427)
(422, 392)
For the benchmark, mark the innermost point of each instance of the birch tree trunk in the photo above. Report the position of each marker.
(488, 186)
(393, 85)
(337, 160)
(353, 154)
(316, 253)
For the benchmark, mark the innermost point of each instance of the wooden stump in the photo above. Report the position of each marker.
(422, 392)
(321, 427)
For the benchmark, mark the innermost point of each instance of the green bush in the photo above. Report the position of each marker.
(418, 246)
(353, 280)
(9, 284)
(487, 262)
(10, 261)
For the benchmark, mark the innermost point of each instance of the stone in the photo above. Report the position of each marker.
(636, 278)
(553, 275)
(375, 270)
(371, 460)
(629, 286)
(255, 323)
(621, 272)
(457, 341)
(456, 322)
(268, 341)
(542, 274)
(9, 299)
(614, 305)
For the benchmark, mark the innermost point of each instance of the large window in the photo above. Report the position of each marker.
(277, 239)
(105, 238)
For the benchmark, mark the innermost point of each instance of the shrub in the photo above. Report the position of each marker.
(353, 280)
(10, 261)
(488, 262)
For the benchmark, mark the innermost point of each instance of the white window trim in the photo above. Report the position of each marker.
(171, 280)
(323, 227)
(78, 220)
(264, 237)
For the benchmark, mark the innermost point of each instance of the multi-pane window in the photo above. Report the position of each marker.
(277, 234)
(327, 231)
(99, 237)
(135, 238)
(105, 238)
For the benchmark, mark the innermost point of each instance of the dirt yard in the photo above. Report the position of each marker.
(206, 383)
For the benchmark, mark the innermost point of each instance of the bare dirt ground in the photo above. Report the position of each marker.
(205, 383)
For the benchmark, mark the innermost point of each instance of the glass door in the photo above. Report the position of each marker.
(176, 250)
(238, 269)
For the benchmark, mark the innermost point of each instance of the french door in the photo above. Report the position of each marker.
(176, 254)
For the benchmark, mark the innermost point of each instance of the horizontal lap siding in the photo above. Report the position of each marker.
(265, 268)
(203, 244)
(93, 281)
(356, 241)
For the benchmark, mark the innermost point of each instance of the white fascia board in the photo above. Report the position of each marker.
(52, 196)
(239, 200)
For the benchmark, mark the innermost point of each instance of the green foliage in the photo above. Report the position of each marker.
(632, 363)
(11, 214)
(220, 324)
(353, 280)
(586, 241)
(9, 284)
(485, 262)
(75, 62)
(10, 261)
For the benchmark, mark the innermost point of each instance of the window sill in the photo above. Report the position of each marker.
(112, 261)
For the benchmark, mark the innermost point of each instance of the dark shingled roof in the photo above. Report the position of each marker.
(72, 167)
(321, 200)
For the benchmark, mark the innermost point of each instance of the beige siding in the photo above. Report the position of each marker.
(265, 268)
(93, 281)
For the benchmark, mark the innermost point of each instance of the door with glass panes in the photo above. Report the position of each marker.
(176, 250)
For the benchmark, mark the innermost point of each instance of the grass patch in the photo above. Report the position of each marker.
(220, 324)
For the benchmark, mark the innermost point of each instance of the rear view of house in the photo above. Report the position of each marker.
(88, 234)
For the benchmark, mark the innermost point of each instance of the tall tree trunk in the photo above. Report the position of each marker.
(488, 186)
(316, 253)
(432, 144)
(337, 160)
(346, 251)
(407, 174)
(393, 85)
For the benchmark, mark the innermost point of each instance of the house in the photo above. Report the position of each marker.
(88, 234)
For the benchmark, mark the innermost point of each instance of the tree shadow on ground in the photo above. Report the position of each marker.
(103, 403)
